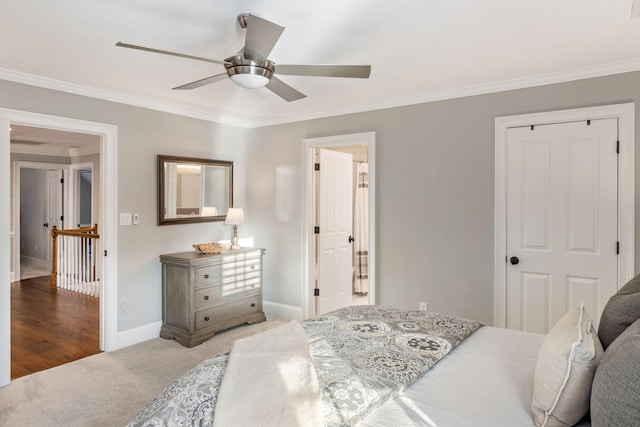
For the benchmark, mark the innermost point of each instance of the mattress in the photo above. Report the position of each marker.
(486, 381)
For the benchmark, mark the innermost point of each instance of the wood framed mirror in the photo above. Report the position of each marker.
(193, 190)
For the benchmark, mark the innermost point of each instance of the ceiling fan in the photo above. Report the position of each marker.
(251, 68)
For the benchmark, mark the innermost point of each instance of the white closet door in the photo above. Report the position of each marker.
(561, 221)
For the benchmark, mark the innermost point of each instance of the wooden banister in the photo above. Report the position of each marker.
(83, 232)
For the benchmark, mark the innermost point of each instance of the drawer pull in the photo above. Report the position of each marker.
(253, 286)
(206, 318)
(253, 267)
(206, 276)
(206, 297)
(253, 304)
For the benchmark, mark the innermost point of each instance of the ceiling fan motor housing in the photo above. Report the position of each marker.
(239, 65)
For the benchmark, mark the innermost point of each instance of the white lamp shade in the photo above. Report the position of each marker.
(209, 211)
(235, 216)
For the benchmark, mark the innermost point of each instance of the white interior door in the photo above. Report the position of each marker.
(335, 219)
(561, 221)
(53, 205)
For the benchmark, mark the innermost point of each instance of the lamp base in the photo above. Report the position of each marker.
(234, 239)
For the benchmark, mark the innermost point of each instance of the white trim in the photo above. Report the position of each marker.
(281, 311)
(137, 335)
(218, 116)
(54, 150)
(308, 144)
(5, 255)
(209, 114)
(625, 113)
(108, 236)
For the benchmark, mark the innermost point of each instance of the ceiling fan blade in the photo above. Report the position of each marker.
(283, 90)
(261, 37)
(353, 71)
(165, 52)
(202, 82)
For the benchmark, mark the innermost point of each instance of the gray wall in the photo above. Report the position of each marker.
(143, 134)
(435, 160)
(33, 198)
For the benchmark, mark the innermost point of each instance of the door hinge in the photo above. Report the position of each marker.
(617, 248)
(532, 127)
(62, 218)
(61, 180)
(316, 292)
(618, 147)
(105, 252)
(588, 122)
(316, 230)
(316, 167)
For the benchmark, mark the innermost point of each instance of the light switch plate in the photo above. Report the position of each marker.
(125, 219)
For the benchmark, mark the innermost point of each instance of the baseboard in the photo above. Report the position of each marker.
(137, 335)
(273, 310)
(36, 262)
(282, 311)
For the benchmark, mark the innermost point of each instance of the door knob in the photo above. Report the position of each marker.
(514, 260)
(351, 239)
(46, 224)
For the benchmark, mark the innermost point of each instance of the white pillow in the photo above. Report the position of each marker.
(565, 368)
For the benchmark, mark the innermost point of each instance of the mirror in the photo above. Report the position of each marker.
(193, 190)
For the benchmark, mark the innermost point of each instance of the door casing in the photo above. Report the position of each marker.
(108, 213)
(16, 167)
(626, 185)
(308, 257)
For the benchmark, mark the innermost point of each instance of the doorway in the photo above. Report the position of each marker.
(577, 136)
(366, 142)
(107, 135)
(37, 206)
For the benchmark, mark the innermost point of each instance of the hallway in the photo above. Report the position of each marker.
(50, 328)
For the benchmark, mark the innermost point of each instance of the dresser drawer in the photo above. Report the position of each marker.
(242, 269)
(221, 294)
(213, 316)
(208, 275)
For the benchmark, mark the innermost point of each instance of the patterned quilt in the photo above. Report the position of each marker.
(363, 355)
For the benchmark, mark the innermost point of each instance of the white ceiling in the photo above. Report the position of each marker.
(419, 50)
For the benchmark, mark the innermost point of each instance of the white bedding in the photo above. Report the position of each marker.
(486, 381)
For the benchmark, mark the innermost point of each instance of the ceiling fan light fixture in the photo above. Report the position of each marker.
(250, 76)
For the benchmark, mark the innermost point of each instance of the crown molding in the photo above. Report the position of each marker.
(84, 150)
(91, 92)
(54, 150)
(461, 92)
(41, 150)
(433, 96)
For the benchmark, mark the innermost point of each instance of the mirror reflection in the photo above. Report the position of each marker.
(193, 190)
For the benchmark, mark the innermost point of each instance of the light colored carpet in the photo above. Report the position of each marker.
(29, 271)
(108, 389)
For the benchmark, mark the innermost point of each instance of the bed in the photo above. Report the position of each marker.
(375, 366)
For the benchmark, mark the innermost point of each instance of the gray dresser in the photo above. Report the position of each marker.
(203, 294)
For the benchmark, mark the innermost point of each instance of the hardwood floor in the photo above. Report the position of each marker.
(50, 328)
